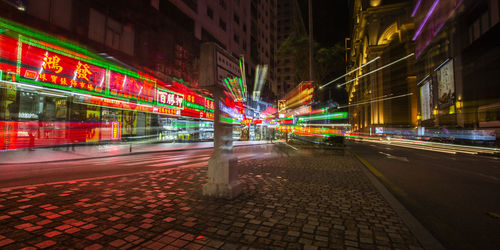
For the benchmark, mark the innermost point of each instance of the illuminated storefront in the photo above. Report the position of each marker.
(51, 88)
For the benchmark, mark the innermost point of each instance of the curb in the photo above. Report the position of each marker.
(425, 238)
(127, 154)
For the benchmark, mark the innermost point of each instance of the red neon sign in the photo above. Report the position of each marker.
(49, 67)
(116, 132)
(131, 87)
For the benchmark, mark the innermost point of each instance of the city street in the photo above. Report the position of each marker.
(39, 173)
(454, 195)
(292, 198)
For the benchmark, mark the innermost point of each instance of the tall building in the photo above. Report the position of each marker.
(381, 34)
(242, 27)
(263, 41)
(289, 21)
(458, 58)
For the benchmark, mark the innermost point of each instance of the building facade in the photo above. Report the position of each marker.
(289, 21)
(109, 70)
(242, 27)
(381, 97)
(457, 50)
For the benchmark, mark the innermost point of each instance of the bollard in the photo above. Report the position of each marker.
(130, 149)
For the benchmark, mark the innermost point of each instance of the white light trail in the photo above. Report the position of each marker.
(373, 71)
(376, 100)
(360, 67)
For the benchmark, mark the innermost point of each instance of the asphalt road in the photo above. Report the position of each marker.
(455, 196)
(40, 173)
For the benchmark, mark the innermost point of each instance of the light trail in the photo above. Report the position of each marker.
(373, 71)
(360, 67)
(376, 100)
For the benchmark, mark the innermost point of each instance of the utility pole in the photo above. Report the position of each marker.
(310, 42)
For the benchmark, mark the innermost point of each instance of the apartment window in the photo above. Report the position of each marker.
(236, 38)
(244, 28)
(244, 45)
(236, 19)
(210, 12)
(111, 32)
(193, 4)
(222, 4)
(222, 24)
(57, 12)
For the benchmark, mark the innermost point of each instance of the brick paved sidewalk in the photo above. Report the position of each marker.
(310, 201)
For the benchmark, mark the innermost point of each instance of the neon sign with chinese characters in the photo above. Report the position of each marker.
(169, 98)
(131, 87)
(45, 66)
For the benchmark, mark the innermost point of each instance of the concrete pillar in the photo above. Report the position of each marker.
(222, 166)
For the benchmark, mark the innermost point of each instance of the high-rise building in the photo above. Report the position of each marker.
(242, 27)
(289, 21)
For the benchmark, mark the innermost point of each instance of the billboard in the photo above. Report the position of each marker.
(446, 85)
(426, 100)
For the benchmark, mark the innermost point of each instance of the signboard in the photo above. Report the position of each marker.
(446, 85)
(169, 98)
(281, 105)
(226, 67)
(44, 66)
(426, 100)
(131, 87)
(116, 132)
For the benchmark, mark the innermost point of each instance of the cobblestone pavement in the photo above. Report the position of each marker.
(297, 201)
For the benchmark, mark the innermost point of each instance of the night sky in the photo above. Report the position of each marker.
(330, 18)
(330, 26)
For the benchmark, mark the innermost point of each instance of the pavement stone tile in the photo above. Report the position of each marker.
(300, 201)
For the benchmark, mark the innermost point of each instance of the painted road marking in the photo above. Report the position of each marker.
(395, 157)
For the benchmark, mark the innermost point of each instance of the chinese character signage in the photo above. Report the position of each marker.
(45, 66)
(131, 87)
(170, 99)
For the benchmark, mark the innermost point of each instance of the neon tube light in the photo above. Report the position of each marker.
(360, 67)
(416, 8)
(373, 71)
(419, 31)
